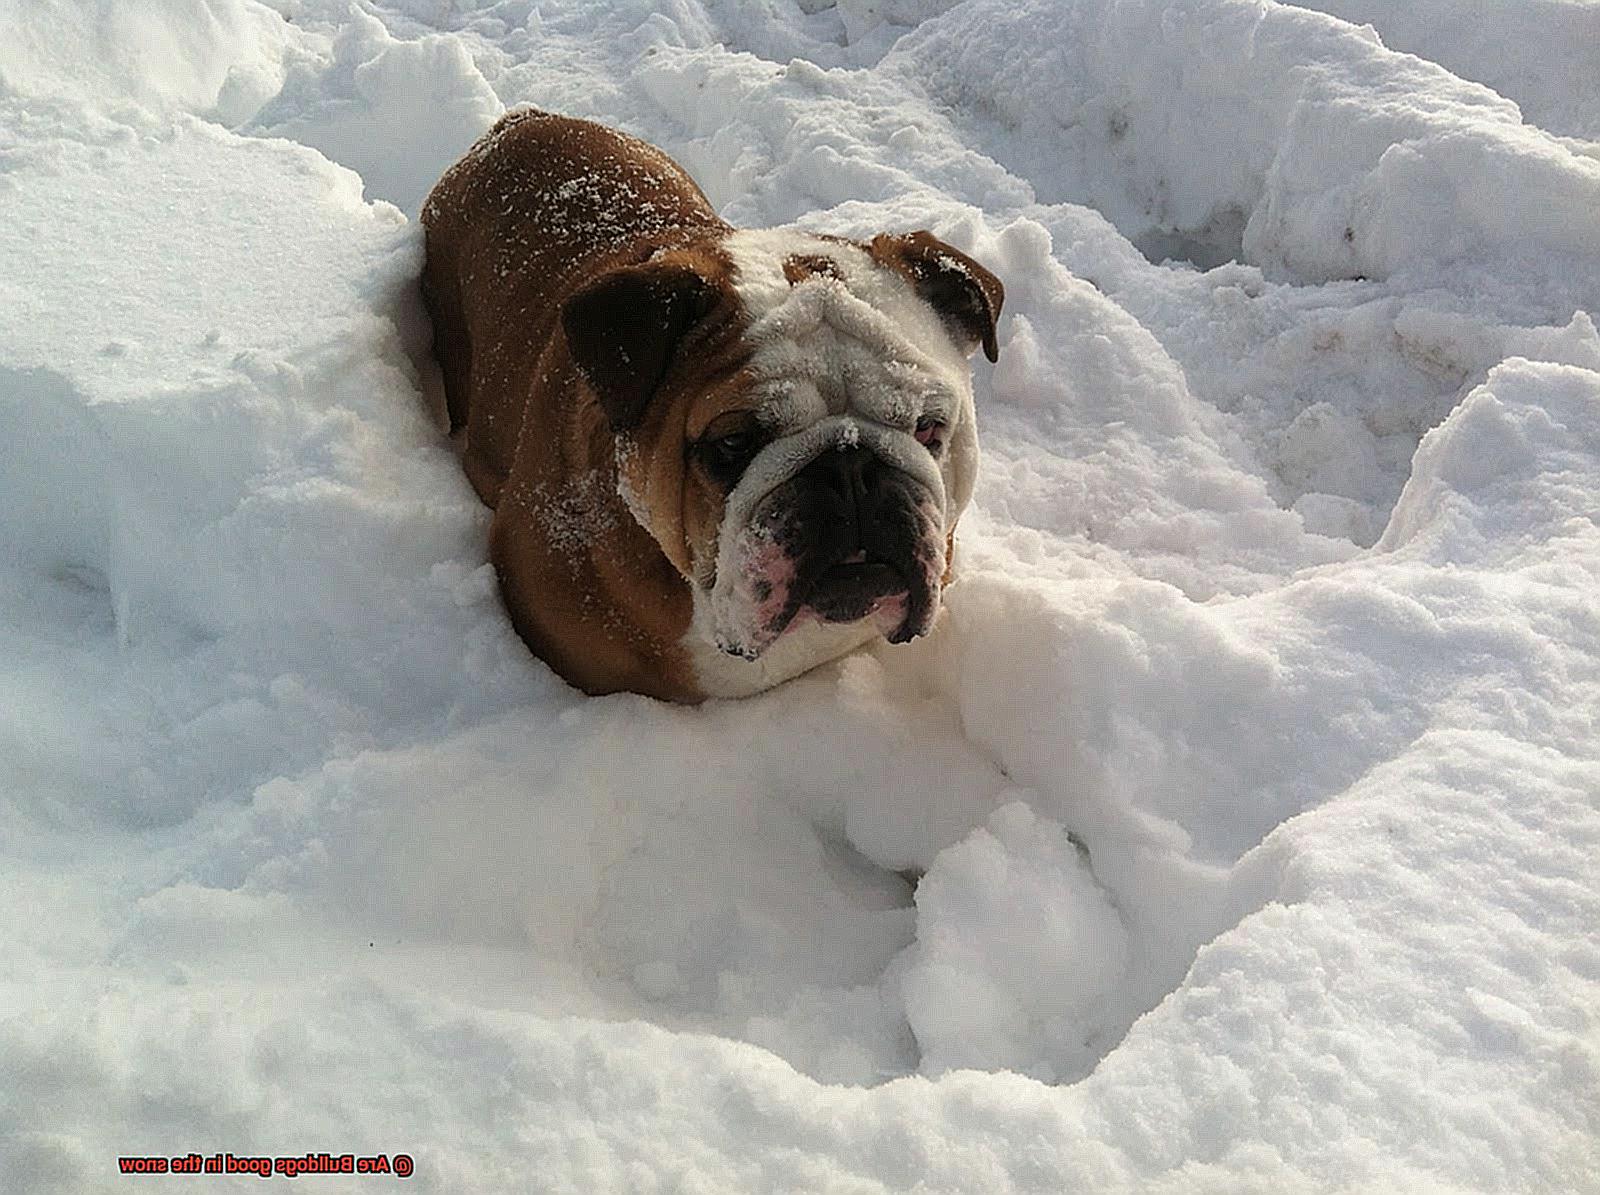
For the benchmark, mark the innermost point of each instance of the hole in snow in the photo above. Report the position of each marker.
(1217, 242)
(54, 511)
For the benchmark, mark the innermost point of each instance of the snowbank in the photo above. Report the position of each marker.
(1543, 54)
(1326, 155)
(1250, 774)
(131, 59)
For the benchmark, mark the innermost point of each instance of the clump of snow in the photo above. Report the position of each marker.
(1018, 953)
(1516, 455)
(1232, 829)
(365, 109)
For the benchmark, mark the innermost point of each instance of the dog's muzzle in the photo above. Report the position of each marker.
(850, 523)
(849, 536)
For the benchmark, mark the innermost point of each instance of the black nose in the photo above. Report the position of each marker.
(849, 475)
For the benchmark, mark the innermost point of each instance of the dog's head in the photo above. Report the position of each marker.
(793, 422)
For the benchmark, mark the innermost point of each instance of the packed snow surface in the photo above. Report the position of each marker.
(1235, 830)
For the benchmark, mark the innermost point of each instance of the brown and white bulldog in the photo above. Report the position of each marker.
(717, 457)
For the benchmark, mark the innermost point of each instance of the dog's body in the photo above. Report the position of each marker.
(717, 458)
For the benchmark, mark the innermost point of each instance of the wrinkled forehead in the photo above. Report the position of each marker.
(833, 331)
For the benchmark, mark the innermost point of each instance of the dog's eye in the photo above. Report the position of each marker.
(733, 448)
(930, 433)
(724, 457)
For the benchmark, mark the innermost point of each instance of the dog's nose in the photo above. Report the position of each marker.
(850, 474)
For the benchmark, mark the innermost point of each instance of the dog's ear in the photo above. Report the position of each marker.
(965, 294)
(623, 328)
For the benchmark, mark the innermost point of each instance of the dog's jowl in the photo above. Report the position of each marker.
(717, 457)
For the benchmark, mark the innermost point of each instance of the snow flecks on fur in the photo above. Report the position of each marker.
(1249, 771)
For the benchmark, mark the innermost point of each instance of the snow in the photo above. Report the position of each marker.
(1542, 54)
(1251, 774)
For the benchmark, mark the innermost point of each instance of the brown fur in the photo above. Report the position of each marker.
(542, 205)
(966, 294)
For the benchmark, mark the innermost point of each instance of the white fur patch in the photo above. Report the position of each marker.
(862, 343)
(841, 358)
(798, 651)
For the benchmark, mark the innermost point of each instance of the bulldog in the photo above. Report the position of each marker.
(716, 457)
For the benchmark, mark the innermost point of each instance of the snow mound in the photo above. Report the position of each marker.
(1262, 129)
(136, 58)
(1018, 952)
(1543, 54)
(364, 108)
(1232, 831)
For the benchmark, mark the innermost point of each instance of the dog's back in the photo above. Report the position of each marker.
(539, 202)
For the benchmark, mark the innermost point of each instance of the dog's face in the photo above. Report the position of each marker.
(793, 422)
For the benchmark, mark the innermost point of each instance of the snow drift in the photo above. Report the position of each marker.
(1250, 775)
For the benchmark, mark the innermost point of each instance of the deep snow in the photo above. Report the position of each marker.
(1253, 768)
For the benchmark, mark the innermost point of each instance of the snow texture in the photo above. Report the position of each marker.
(1235, 828)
